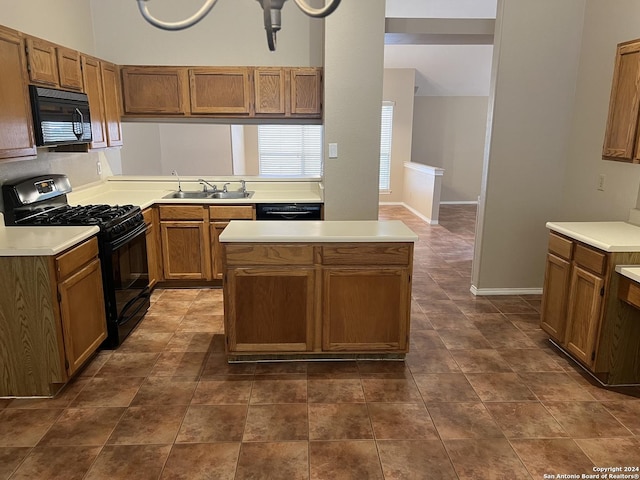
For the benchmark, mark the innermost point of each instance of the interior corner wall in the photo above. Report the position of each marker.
(606, 24)
(141, 153)
(353, 71)
(535, 69)
(449, 133)
(398, 87)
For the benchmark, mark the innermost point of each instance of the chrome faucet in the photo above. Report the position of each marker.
(243, 186)
(224, 187)
(175, 174)
(205, 183)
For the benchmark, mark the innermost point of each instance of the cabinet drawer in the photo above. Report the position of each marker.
(269, 254)
(367, 254)
(72, 260)
(590, 259)
(232, 212)
(562, 247)
(629, 292)
(182, 212)
(148, 216)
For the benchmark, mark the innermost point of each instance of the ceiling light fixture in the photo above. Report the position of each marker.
(271, 9)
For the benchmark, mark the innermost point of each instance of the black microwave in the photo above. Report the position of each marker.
(60, 117)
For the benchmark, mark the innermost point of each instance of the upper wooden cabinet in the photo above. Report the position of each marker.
(220, 90)
(621, 137)
(52, 65)
(269, 90)
(16, 125)
(306, 91)
(93, 88)
(155, 90)
(112, 103)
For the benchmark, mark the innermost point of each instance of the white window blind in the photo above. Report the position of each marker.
(288, 150)
(385, 146)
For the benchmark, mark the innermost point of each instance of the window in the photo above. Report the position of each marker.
(385, 146)
(290, 150)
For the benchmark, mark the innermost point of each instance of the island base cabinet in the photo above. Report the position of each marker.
(361, 308)
(272, 308)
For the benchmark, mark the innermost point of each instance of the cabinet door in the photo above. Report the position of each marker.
(220, 90)
(622, 122)
(216, 248)
(43, 62)
(154, 261)
(366, 309)
(83, 314)
(269, 90)
(306, 91)
(584, 314)
(155, 90)
(553, 318)
(111, 95)
(269, 309)
(185, 251)
(93, 88)
(70, 69)
(16, 134)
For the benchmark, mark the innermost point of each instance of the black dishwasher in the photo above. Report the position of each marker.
(289, 211)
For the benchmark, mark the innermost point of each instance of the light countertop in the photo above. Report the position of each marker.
(629, 271)
(607, 236)
(274, 231)
(41, 241)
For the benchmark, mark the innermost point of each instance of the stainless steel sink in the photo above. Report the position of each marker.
(209, 195)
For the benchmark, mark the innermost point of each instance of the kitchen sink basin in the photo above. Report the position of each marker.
(209, 195)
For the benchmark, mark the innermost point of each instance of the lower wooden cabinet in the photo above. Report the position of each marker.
(220, 216)
(52, 318)
(154, 248)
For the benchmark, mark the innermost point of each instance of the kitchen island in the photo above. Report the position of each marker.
(317, 289)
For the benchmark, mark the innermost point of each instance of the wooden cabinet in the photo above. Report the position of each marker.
(288, 92)
(92, 78)
(220, 90)
(621, 135)
(269, 90)
(306, 92)
(51, 65)
(69, 69)
(154, 248)
(111, 96)
(581, 312)
(155, 90)
(317, 299)
(16, 125)
(220, 216)
(52, 318)
(186, 247)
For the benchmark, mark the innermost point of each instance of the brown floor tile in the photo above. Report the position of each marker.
(500, 387)
(129, 462)
(202, 461)
(463, 339)
(273, 423)
(217, 365)
(340, 421)
(209, 295)
(56, 463)
(551, 456)
(62, 399)
(159, 323)
(212, 423)
(445, 387)
(439, 306)
(431, 361)
(485, 458)
(483, 318)
(390, 390)
(401, 421)
(95, 364)
(223, 390)
(476, 305)
(512, 304)
(288, 460)
(279, 389)
(183, 364)
(179, 295)
(334, 390)
(25, 428)
(190, 342)
(333, 370)
(450, 321)
(505, 336)
(480, 361)
(586, 420)
(415, 459)
(206, 308)
(604, 394)
(168, 307)
(165, 391)
(148, 424)
(530, 360)
(344, 460)
(463, 420)
(385, 367)
(10, 458)
(525, 322)
(608, 452)
(145, 341)
(128, 365)
(426, 340)
(108, 392)
(202, 323)
(550, 387)
(83, 426)
(281, 368)
(525, 420)
(627, 413)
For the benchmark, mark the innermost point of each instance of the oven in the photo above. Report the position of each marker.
(122, 246)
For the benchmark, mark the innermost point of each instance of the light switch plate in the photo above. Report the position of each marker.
(333, 150)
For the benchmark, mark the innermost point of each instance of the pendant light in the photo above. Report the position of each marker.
(271, 12)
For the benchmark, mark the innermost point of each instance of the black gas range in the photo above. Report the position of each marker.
(42, 201)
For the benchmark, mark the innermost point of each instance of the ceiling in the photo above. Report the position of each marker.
(448, 42)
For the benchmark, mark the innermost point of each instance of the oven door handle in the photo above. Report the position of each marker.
(119, 242)
(141, 296)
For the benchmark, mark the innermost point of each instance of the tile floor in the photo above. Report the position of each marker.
(481, 395)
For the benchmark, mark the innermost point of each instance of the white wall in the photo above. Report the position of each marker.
(449, 132)
(397, 87)
(535, 69)
(606, 24)
(141, 153)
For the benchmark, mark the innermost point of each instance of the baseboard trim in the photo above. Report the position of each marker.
(461, 202)
(412, 210)
(505, 291)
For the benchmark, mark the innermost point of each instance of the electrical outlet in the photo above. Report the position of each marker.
(601, 180)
